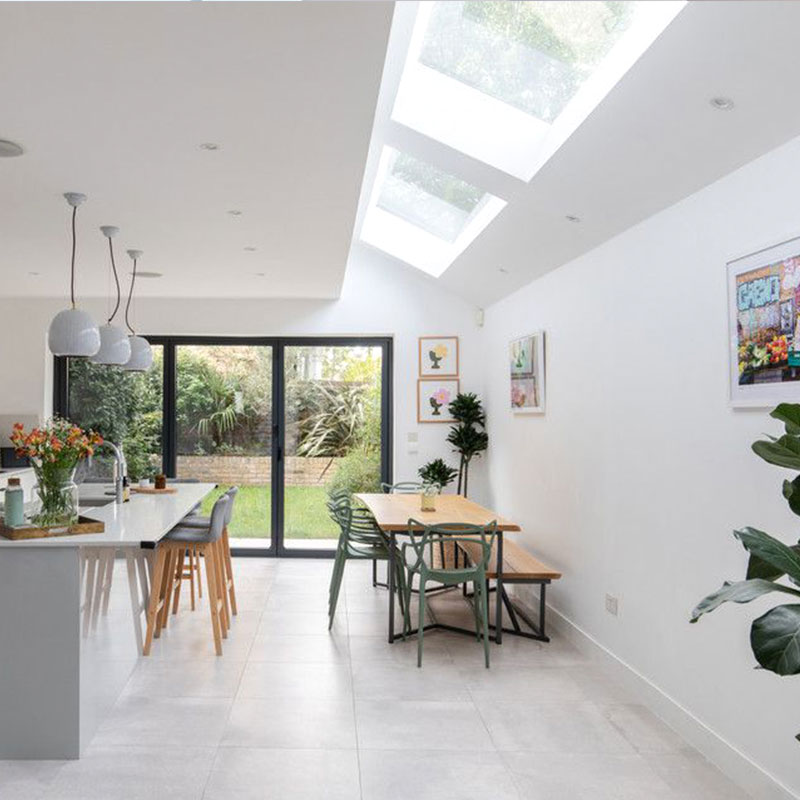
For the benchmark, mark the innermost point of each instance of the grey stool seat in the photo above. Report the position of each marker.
(190, 535)
(195, 520)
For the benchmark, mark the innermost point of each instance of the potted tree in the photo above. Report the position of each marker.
(438, 472)
(468, 436)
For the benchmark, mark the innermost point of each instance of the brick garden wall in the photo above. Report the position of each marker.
(256, 470)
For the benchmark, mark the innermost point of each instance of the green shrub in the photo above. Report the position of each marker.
(358, 471)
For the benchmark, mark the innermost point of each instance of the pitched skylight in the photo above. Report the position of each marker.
(508, 82)
(422, 214)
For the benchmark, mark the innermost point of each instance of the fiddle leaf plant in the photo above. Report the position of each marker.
(773, 566)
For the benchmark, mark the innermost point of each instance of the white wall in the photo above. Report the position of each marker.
(634, 479)
(378, 298)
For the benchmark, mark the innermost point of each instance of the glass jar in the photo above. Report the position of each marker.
(428, 496)
(56, 496)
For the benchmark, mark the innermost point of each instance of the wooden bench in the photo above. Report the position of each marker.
(519, 566)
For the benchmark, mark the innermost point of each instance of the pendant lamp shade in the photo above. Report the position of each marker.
(115, 349)
(141, 353)
(73, 332)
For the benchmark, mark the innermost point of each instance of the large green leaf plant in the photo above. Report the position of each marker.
(773, 565)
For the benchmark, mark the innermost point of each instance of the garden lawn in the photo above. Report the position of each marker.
(306, 513)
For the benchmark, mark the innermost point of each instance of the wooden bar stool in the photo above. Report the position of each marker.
(172, 549)
(197, 521)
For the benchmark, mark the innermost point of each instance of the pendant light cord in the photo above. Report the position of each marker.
(72, 268)
(116, 279)
(130, 295)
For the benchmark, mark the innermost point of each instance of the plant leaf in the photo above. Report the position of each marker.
(791, 491)
(783, 452)
(771, 550)
(789, 415)
(739, 592)
(775, 639)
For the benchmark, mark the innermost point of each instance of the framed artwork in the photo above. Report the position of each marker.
(434, 397)
(764, 326)
(438, 356)
(526, 374)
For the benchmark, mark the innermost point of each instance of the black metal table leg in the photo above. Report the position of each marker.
(390, 581)
(498, 631)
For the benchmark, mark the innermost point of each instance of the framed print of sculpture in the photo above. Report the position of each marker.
(526, 374)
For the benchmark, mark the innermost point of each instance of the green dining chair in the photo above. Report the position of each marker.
(359, 539)
(416, 555)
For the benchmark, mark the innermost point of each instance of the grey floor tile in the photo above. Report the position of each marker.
(326, 680)
(292, 648)
(260, 774)
(691, 777)
(291, 722)
(381, 680)
(556, 776)
(644, 730)
(149, 721)
(551, 727)
(135, 773)
(420, 725)
(27, 780)
(172, 678)
(427, 775)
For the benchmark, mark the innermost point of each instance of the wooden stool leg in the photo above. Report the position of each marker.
(153, 605)
(165, 589)
(191, 574)
(213, 601)
(99, 578)
(223, 593)
(179, 561)
(199, 575)
(229, 569)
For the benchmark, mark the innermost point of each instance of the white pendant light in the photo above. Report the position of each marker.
(141, 353)
(73, 332)
(115, 349)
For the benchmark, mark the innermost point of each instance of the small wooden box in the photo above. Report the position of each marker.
(83, 525)
(153, 490)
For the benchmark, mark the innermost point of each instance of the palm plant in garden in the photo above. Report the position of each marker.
(437, 471)
(775, 635)
(467, 436)
(222, 395)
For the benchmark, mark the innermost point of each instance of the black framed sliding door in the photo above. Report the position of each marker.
(284, 419)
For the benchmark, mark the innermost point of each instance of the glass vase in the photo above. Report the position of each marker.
(56, 495)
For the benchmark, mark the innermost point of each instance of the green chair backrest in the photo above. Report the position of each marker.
(424, 541)
(404, 487)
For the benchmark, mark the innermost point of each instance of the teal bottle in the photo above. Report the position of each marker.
(15, 504)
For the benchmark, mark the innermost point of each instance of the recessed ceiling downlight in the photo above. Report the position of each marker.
(250, 249)
(10, 149)
(721, 103)
(572, 218)
(209, 146)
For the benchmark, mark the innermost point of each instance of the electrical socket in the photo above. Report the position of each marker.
(612, 604)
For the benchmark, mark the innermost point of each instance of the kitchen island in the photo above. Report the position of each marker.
(44, 714)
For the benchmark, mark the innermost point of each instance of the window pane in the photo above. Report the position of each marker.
(532, 55)
(428, 197)
(333, 435)
(124, 407)
(224, 430)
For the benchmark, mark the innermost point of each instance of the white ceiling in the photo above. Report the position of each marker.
(114, 99)
(653, 140)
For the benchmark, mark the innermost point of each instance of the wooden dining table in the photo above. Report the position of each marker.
(401, 514)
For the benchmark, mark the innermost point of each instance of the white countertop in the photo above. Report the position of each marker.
(145, 518)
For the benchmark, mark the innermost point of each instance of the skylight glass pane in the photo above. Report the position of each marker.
(428, 197)
(531, 55)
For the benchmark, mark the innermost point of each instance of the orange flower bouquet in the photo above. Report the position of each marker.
(54, 451)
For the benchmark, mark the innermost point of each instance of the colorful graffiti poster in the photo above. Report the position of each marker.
(765, 304)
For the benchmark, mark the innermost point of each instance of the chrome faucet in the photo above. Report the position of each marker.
(120, 469)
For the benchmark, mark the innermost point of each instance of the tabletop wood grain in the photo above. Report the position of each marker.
(393, 511)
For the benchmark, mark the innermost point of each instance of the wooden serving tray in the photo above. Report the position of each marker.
(83, 525)
(153, 490)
